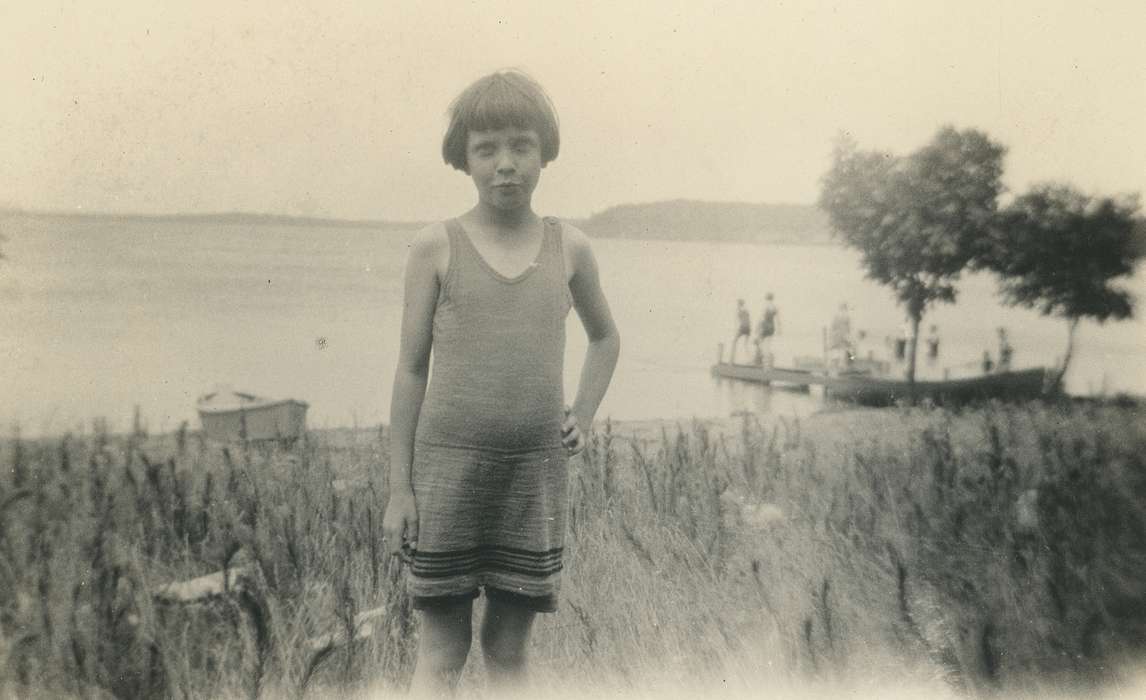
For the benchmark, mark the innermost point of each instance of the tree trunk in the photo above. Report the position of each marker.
(1061, 375)
(913, 342)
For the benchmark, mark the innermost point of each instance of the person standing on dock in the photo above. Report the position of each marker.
(840, 338)
(1006, 351)
(743, 329)
(932, 344)
(768, 327)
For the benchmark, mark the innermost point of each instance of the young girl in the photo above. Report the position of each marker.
(478, 457)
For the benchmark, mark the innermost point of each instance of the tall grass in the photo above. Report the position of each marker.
(997, 548)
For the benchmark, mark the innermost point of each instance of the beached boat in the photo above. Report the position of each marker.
(869, 390)
(229, 416)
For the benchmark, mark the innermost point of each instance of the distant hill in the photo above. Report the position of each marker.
(676, 220)
(232, 218)
(690, 220)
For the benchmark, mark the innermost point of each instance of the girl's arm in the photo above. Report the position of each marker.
(400, 523)
(604, 340)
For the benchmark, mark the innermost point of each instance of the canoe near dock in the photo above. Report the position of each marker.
(866, 388)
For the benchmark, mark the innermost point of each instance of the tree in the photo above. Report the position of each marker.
(916, 220)
(1059, 251)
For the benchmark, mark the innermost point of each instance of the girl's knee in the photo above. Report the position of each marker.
(444, 639)
(444, 656)
(505, 635)
(504, 650)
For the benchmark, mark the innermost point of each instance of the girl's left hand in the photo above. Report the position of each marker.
(571, 436)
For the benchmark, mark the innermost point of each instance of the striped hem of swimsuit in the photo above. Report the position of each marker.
(535, 603)
(487, 559)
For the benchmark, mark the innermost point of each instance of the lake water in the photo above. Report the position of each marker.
(98, 316)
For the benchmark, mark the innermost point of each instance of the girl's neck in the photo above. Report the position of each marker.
(511, 221)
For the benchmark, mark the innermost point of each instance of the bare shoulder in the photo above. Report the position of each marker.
(573, 237)
(431, 247)
(577, 249)
(430, 241)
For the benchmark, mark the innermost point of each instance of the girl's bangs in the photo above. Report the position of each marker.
(499, 108)
(500, 101)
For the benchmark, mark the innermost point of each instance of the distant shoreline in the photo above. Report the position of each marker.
(676, 220)
(651, 429)
(213, 218)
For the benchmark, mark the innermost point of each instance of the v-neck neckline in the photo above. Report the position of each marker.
(494, 271)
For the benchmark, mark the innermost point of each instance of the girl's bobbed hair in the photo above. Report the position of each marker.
(499, 100)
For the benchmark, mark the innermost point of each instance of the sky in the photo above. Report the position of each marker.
(337, 109)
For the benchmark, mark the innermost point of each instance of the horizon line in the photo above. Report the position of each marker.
(308, 218)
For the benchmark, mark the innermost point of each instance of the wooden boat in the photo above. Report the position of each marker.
(869, 390)
(229, 416)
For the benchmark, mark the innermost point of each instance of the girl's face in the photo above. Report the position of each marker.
(505, 165)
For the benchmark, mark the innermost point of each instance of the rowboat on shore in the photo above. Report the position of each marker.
(230, 416)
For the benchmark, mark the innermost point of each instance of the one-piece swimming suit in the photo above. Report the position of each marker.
(489, 471)
(768, 322)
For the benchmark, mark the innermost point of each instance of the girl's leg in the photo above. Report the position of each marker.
(504, 638)
(444, 642)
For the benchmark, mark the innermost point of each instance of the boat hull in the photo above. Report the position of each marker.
(878, 391)
(867, 389)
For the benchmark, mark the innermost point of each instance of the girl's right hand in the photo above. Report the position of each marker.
(400, 525)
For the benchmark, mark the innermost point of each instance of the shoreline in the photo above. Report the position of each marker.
(646, 430)
(261, 219)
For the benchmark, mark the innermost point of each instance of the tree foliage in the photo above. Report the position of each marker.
(1058, 251)
(916, 220)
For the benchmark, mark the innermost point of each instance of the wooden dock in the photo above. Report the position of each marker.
(769, 375)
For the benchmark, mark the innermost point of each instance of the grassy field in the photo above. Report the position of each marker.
(898, 553)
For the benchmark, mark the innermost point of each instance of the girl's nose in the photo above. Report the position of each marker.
(505, 162)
